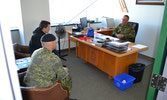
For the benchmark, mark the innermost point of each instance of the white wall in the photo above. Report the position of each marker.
(33, 11)
(150, 20)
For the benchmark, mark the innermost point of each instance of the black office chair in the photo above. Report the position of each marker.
(135, 26)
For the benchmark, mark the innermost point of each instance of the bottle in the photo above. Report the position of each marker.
(85, 37)
(95, 35)
(96, 19)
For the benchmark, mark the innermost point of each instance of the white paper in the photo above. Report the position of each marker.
(118, 44)
(78, 33)
(139, 46)
(127, 49)
(105, 36)
(102, 36)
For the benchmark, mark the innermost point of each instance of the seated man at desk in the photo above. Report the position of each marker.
(44, 28)
(45, 68)
(124, 31)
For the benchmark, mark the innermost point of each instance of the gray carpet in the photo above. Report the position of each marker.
(90, 83)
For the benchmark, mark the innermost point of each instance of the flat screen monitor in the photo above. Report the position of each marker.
(108, 23)
(83, 22)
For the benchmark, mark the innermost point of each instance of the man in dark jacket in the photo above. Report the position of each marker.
(35, 43)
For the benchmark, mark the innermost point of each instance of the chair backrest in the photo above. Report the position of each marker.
(135, 26)
(20, 51)
(20, 48)
(53, 92)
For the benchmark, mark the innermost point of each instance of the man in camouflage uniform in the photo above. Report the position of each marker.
(45, 68)
(124, 31)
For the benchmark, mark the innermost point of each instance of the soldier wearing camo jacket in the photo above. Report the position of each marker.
(124, 31)
(46, 68)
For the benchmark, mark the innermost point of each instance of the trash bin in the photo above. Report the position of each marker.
(136, 70)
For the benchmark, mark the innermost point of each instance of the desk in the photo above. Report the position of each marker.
(102, 31)
(106, 60)
(105, 31)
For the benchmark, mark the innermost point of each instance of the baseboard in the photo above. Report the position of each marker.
(66, 49)
(147, 57)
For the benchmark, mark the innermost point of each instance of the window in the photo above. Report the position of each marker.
(69, 11)
(12, 13)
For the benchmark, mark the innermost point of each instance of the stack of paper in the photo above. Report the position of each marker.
(139, 46)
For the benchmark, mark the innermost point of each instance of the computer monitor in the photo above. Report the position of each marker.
(83, 22)
(108, 23)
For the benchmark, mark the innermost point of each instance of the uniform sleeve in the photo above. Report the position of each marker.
(61, 73)
(117, 30)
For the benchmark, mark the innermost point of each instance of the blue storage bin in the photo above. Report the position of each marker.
(118, 81)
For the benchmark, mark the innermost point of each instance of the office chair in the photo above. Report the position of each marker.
(53, 92)
(20, 51)
(135, 26)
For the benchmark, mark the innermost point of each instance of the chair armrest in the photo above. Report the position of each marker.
(21, 55)
(53, 92)
(21, 77)
(24, 49)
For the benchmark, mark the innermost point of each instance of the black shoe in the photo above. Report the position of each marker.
(72, 99)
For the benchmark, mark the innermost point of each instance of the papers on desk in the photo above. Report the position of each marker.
(101, 36)
(139, 46)
(118, 44)
(129, 49)
(22, 63)
(78, 33)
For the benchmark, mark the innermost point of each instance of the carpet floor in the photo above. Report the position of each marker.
(90, 83)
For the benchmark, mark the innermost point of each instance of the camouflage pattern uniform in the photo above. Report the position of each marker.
(45, 69)
(127, 30)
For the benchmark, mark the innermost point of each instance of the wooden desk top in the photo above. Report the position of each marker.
(104, 30)
(98, 31)
(90, 43)
(69, 32)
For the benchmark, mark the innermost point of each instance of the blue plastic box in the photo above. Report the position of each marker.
(118, 81)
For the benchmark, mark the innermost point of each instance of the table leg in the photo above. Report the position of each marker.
(110, 77)
(69, 49)
(84, 61)
(76, 48)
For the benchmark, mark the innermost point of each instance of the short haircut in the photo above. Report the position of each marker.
(44, 24)
(45, 44)
(127, 16)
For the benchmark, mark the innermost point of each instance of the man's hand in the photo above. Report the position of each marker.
(66, 69)
(120, 36)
